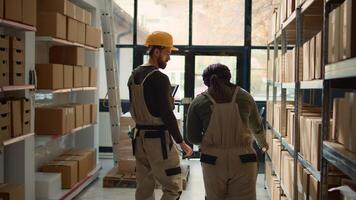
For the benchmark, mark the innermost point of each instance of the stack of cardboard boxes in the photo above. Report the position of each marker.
(344, 126)
(64, 20)
(60, 120)
(342, 27)
(12, 61)
(312, 58)
(74, 166)
(68, 61)
(22, 11)
(15, 118)
(287, 172)
(127, 162)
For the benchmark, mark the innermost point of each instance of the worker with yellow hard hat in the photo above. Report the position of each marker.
(152, 107)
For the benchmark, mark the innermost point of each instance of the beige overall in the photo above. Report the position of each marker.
(156, 156)
(227, 157)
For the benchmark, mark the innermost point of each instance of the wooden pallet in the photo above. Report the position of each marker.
(113, 179)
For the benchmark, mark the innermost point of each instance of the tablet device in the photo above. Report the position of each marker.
(174, 89)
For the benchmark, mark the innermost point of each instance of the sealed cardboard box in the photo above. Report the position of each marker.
(17, 43)
(29, 11)
(306, 61)
(86, 114)
(5, 107)
(52, 24)
(313, 188)
(82, 163)
(92, 74)
(81, 33)
(59, 6)
(12, 192)
(306, 183)
(318, 55)
(93, 113)
(79, 114)
(16, 125)
(93, 36)
(312, 59)
(50, 121)
(5, 119)
(348, 29)
(69, 113)
(87, 19)
(26, 115)
(89, 153)
(350, 139)
(342, 127)
(72, 30)
(4, 41)
(5, 133)
(315, 143)
(77, 76)
(25, 105)
(68, 170)
(17, 73)
(48, 76)
(67, 55)
(68, 76)
(13, 10)
(334, 35)
(4, 67)
(85, 76)
(79, 14)
(71, 8)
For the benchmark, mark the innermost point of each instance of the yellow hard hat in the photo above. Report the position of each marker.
(160, 38)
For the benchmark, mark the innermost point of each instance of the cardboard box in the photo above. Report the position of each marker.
(87, 19)
(318, 55)
(13, 10)
(79, 115)
(93, 113)
(92, 79)
(17, 43)
(85, 76)
(16, 125)
(81, 33)
(79, 14)
(126, 166)
(300, 181)
(69, 113)
(77, 77)
(68, 76)
(59, 6)
(343, 126)
(1, 9)
(5, 119)
(17, 55)
(68, 170)
(12, 192)
(315, 143)
(306, 183)
(348, 29)
(350, 140)
(4, 41)
(50, 121)
(312, 58)
(5, 133)
(48, 76)
(67, 55)
(86, 114)
(82, 163)
(313, 188)
(72, 30)
(71, 9)
(89, 153)
(5, 107)
(52, 24)
(334, 35)
(4, 67)
(306, 61)
(17, 73)
(93, 37)
(29, 12)
(26, 115)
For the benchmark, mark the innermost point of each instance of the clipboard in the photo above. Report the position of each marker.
(174, 89)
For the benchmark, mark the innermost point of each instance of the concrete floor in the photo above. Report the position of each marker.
(194, 191)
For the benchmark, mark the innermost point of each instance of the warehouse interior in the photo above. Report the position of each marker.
(64, 99)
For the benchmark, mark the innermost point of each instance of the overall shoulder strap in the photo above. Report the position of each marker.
(235, 94)
(148, 75)
(210, 97)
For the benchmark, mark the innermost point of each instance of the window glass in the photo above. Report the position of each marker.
(123, 21)
(259, 74)
(261, 21)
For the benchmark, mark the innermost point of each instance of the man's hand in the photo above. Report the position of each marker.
(186, 148)
(265, 148)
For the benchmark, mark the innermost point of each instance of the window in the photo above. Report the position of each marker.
(170, 16)
(261, 21)
(217, 22)
(201, 62)
(259, 74)
(123, 21)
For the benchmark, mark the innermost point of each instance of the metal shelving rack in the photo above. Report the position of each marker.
(294, 31)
